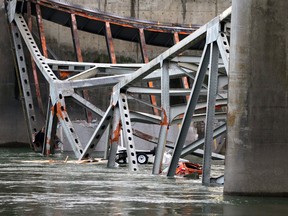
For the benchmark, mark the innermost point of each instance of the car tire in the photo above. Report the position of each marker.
(121, 157)
(142, 158)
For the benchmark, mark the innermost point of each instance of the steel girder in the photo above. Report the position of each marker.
(24, 82)
(125, 79)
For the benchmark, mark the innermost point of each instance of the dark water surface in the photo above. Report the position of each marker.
(28, 187)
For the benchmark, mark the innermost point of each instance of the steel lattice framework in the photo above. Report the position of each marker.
(177, 61)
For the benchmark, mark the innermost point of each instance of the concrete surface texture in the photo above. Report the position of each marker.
(256, 157)
(171, 11)
(12, 127)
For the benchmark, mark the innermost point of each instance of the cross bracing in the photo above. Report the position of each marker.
(125, 82)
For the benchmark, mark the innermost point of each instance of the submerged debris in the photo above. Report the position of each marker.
(50, 161)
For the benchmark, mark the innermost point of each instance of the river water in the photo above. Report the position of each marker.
(29, 185)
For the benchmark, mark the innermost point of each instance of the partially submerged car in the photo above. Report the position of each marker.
(188, 168)
(184, 168)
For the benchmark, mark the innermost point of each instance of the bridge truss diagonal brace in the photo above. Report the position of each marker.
(109, 43)
(224, 50)
(79, 58)
(33, 65)
(188, 149)
(186, 122)
(155, 63)
(34, 50)
(210, 111)
(184, 79)
(89, 151)
(41, 31)
(75, 38)
(145, 58)
(67, 126)
(23, 79)
(210, 56)
(86, 104)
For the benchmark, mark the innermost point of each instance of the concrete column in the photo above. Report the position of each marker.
(257, 152)
(13, 129)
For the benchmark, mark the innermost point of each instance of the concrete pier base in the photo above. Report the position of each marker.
(256, 157)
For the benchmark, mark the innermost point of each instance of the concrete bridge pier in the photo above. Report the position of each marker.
(257, 154)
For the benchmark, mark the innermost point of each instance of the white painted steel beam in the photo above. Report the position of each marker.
(23, 79)
(89, 151)
(165, 118)
(210, 111)
(115, 132)
(189, 111)
(188, 149)
(127, 133)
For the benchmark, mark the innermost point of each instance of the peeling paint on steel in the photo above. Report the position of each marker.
(116, 133)
(164, 118)
(60, 112)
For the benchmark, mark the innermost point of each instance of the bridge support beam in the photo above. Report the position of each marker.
(256, 157)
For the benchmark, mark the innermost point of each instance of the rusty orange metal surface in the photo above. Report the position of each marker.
(186, 168)
(117, 20)
(75, 38)
(48, 147)
(64, 74)
(176, 37)
(41, 31)
(164, 118)
(116, 133)
(146, 60)
(79, 57)
(184, 79)
(109, 42)
(143, 45)
(153, 99)
(60, 110)
(33, 65)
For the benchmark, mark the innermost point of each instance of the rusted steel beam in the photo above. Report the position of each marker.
(184, 79)
(29, 15)
(143, 46)
(77, 48)
(33, 65)
(109, 42)
(146, 60)
(176, 37)
(75, 38)
(153, 99)
(41, 30)
(50, 130)
(115, 133)
(116, 20)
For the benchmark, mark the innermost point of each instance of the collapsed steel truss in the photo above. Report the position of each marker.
(125, 79)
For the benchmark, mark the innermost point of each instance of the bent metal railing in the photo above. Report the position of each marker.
(125, 79)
